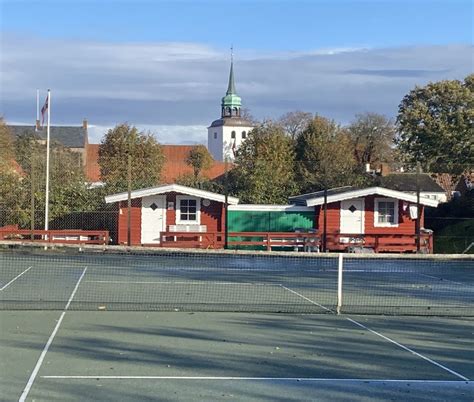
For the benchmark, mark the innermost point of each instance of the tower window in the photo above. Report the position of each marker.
(215, 135)
(244, 134)
(232, 135)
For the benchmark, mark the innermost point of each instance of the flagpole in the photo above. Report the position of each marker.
(46, 206)
(37, 110)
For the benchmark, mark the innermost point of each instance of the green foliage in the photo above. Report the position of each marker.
(146, 158)
(199, 159)
(67, 184)
(264, 171)
(6, 144)
(325, 157)
(436, 128)
(200, 182)
(454, 238)
(372, 136)
(13, 199)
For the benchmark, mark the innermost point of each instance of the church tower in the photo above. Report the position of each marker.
(225, 135)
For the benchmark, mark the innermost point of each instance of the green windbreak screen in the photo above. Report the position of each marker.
(269, 221)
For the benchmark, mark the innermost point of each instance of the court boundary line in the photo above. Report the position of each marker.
(443, 279)
(406, 348)
(307, 299)
(223, 378)
(409, 350)
(15, 278)
(203, 283)
(37, 367)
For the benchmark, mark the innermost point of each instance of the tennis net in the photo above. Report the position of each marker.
(95, 278)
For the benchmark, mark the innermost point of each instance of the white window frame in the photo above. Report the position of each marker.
(395, 213)
(180, 198)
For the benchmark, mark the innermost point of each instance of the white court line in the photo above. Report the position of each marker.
(305, 298)
(409, 350)
(388, 339)
(442, 279)
(151, 377)
(204, 283)
(15, 278)
(31, 380)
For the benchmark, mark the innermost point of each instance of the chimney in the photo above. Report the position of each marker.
(385, 169)
(84, 124)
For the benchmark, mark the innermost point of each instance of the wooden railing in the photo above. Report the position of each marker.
(267, 240)
(380, 242)
(270, 240)
(376, 242)
(56, 236)
(212, 240)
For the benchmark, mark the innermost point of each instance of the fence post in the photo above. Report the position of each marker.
(339, 284)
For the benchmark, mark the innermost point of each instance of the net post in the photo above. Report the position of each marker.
(339, 283)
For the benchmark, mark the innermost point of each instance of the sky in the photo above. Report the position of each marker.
(163, 65)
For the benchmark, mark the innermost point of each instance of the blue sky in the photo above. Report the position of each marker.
(147, 61)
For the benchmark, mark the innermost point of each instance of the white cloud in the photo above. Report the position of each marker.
(176, 87)
(165, 134)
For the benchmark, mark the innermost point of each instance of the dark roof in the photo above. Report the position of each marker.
(407, 182)
(231, 121)
(71, 137)
(301, 199)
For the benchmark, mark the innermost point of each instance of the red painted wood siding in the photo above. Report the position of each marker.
(333, 217)
(405, 223)
(136, 222)
(211, 216)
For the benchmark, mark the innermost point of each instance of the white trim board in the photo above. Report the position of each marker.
(385, 192)
(168, 188)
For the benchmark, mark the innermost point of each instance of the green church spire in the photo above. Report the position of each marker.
(231, 102)
(231, 86)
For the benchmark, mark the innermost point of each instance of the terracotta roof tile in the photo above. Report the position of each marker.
(175, 164)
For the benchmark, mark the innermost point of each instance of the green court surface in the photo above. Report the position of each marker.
(171, 356)
(185, 326)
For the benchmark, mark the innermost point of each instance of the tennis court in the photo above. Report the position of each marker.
(162, 325)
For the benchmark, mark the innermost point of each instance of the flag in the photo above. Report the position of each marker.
(44, 110)
(234, 148)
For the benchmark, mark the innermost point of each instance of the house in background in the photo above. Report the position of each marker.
(407, 182)
(75, 138)
(377, 218)
(166, 210)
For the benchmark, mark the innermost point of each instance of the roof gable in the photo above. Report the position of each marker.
(407, 182)
(347, 193)
(168, 188)
(69, 136)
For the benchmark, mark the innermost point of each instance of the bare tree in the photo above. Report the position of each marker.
(294, 123)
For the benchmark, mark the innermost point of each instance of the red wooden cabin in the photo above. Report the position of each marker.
(373, 218)
(169, 210)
